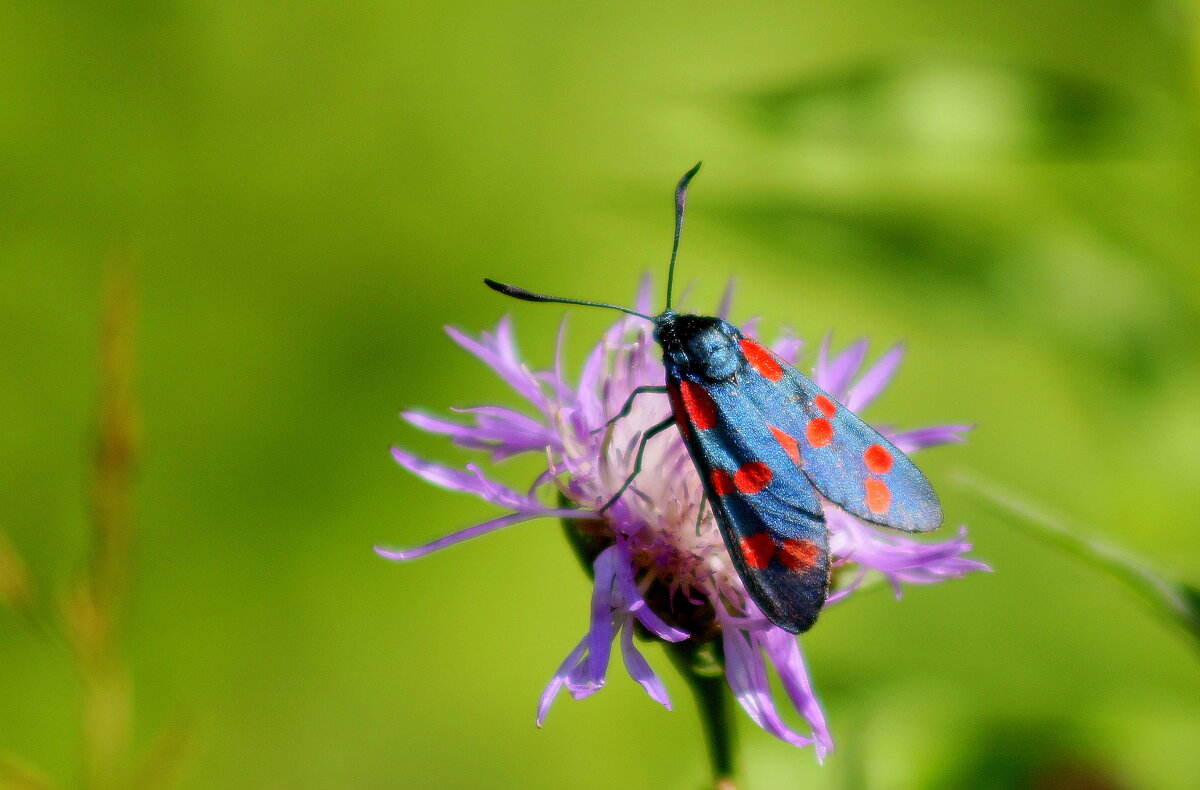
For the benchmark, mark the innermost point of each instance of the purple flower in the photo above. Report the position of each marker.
(659, 567)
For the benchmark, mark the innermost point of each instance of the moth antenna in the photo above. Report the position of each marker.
(680, 201)
(530, 296)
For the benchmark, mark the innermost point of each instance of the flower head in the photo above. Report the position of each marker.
(659, 565)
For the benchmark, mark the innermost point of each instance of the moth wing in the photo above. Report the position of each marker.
(766, 509)
(848, 461)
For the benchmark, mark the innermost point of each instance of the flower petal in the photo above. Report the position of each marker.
(639, 669)
(504, 437)
(600, 634)
(590, 377)
(559, 680)
(900, 559)
(437, 425)
(867, 388)
(507, 432)
(498, 353)
(788, 349)
(784, 652)
(558, 379)
(919, 438)
(635, 604)
(471, 481)
(456, 537)
(747, 676)
(834, 377)
(727, 300)
(645, 294)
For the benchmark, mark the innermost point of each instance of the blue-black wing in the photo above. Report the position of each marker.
(848, 461)
(765, 507)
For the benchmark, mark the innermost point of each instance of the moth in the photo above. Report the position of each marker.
(768, 443)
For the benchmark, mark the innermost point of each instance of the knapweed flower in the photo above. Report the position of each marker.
(659, 565)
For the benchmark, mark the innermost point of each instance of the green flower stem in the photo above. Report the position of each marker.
(702, 664)
(1175, 601)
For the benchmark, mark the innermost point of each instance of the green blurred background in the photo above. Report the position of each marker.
(311, 190)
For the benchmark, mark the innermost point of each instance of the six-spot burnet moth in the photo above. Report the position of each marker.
(765, 440)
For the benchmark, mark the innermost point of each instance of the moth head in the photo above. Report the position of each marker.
(699, 344)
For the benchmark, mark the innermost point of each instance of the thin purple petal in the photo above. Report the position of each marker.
(488, 415)
(457, 480)
(819, 373)
(507, 432)
(562, 390)
(834, 377)
(503, 436)
(867, 388)
(784, 652)
(590, 377)
(849, 588)
(788, 349)
(461, 434)
(559, 680)
(636, 605)
(473, 481)
(456, 537)
(727, 300)
(683, 298)
(639, 669)
(919, 438)
(645, 294)
(747, 676)
(600, 634)
(502, 360)
(900, 559)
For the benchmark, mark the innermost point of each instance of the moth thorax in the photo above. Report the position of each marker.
(702, 345)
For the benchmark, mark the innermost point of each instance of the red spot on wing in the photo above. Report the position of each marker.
(826, 405)
(722, 482)
(879, 496)
(878, 459)
(758, 550)
(790, 445)
(761, 360)
(819, 432)
(699, 405)
(752, 477)
(799, 555)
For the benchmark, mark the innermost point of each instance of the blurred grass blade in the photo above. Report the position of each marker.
(94, 610)
(16, 774)
(162, 762)
(116, 447)
(17, 590)
(1176, 601)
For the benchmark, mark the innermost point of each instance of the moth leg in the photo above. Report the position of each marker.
(637, 462)
(628, 407)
